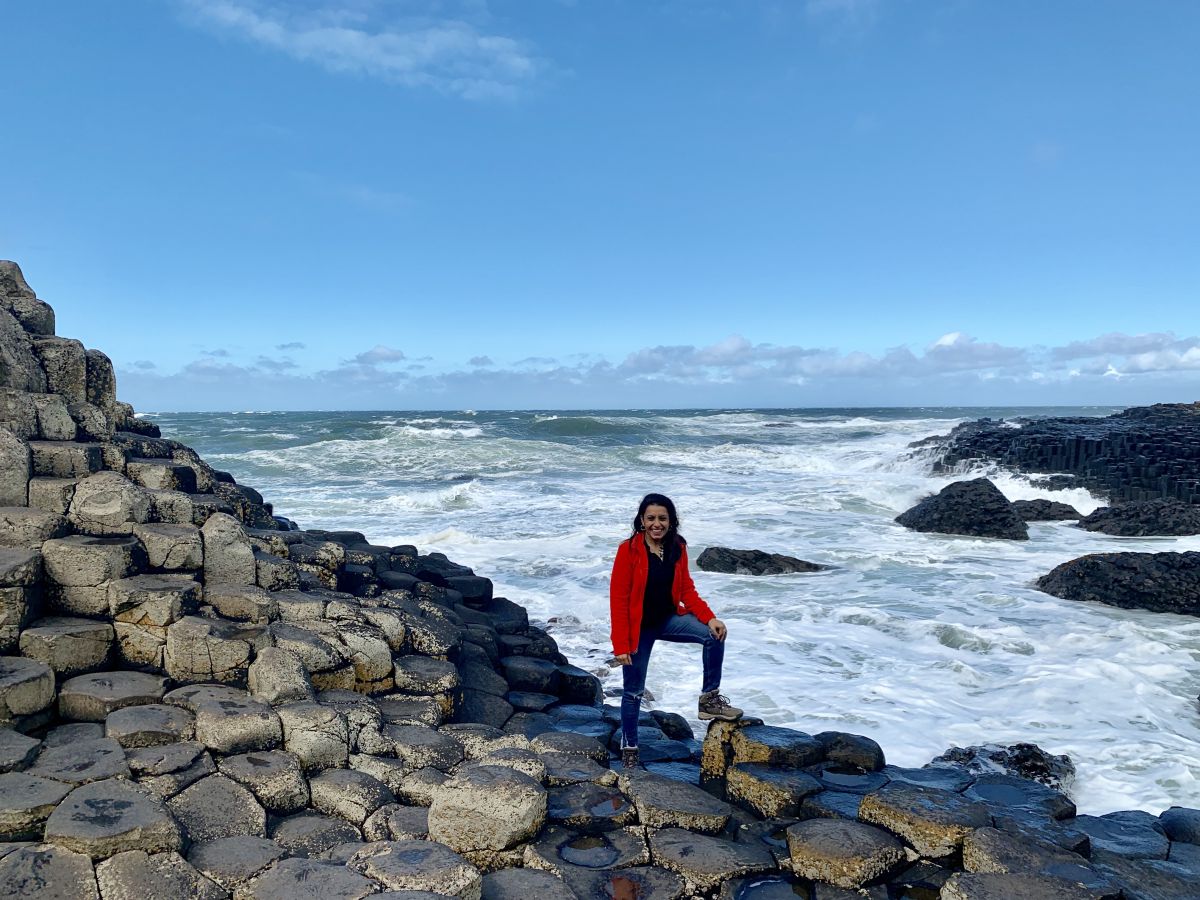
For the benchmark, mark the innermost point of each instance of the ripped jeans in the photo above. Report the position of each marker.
(686, 629)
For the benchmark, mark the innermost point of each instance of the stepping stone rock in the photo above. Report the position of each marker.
(168, 769)
(418, 866)
(229, 720)
(389, 771)
(419, 746)
(590, 807)
(90, 698)
(135, 874)
(776, 747)
(1024, 885)
(418, 787)
(24, 528)
(641, 882)
(47, 872)
(560, 850)
(524, 884)
(703, 861)
(769, 791)
(173, 548)
(218, 807)
(307, 879)
(1181, 824)
(234, 860)
(1131, 833)
(73, 732)
(80, 567)
(487, 808)
(150, 725)
(26, 801)
(228, 556)
(204, 650)
(17, 751)
(525, 761)
(105, 503)
(395, 822)
(277, 676)
(109, 817)
(423, 675)
(68, 646)
(82, 761)
(317, 735)
(933, 821)
(853, 750)
(311, 834)
(26, 687)
(527, 673)
(1008, 795)
(990, 851)
(273, 776)
(846, 854)
(663, 803)
(566, 770)
(974, 508)
(348, 794)
(570, 744)
(241, 602)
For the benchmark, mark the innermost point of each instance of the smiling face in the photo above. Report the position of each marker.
(655, 521)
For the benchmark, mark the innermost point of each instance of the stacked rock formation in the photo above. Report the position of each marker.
(199, 701)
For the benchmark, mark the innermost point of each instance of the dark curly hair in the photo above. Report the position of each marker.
(672, 540)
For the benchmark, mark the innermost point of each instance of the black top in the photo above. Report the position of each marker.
(657, 604)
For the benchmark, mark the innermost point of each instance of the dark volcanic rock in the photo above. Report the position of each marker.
(1159, 582)
(1146, 518)
(1022, 760)
(1044, 511)
(752, 562)
(975, 508)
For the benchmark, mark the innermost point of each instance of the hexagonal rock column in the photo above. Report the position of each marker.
(20, 593)
(200, 649)
(68, 646)
(108, 817)
(418, 866)
(666, 803)
(22, 527)
(108, 503)
(487, 808)
(90, 698)
(349, 794)
(143, 608)
(172, 548)
(218, 807)
(229, 720)
(933, 821)
(152, 725)
(26, 801)
(327, 663)
(43, 870)
(80, 567)
(769, 791)
(703, 861)
(136, 873)
(277, 676)
(273, 776)
(26, 687)
(231, 862)
(16, 468)
(419, 746)
(228, 555)
(1025, 885)
(80, 762)
(846, 854)
(316, 734)
(308, 879)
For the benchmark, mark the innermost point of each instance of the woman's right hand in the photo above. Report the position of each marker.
(623, 659)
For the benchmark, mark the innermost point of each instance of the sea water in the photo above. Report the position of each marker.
(919, 641)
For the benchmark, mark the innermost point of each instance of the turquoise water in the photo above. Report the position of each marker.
(920, 641)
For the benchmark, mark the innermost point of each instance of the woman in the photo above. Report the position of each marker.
(653, 598)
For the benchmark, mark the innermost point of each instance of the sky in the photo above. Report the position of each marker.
(447, 204)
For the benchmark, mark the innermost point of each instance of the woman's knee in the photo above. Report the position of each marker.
(633, 695)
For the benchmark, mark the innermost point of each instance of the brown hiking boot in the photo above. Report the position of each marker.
(629, 758)
(716, 706)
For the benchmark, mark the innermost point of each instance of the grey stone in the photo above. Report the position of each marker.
(391, 772)
(310, 834)
(989, 850)
(17, 751)
(17, 606)
(26, 687)
(300, 608)
(704, 861)
(369, 654)
(23, 527)
(150, 725)
(318, 735)
(1009, 795)
(108, 817)
(161, 475)
(419, 786)
(400, 709)
(487, 808)
(72, 733)
(277, 676)
(144, 608)
(420, 746)
(775, 746)
(363, 720)
(561, 850)
(16, 468)
(52, 494)
(228, 556)
(846, 854)
(1027, 886)
(48, 873)
(307, 879)
(135, 874)
(273, 776)
(65, 459)
(82, 761)
(273, 573)
(68, 646)
(327, 663)
(424, 675)
(80, 567)
(933, 821)
(90, 698)
(565, 770)
(65, 363)
(570, 744)
(1182, 824)
(348, 794)
(396, 822)
(201, 650)
(20, 567)
(769, 791)
(172, 548)
(218, 807)
(664, 803)
(233, 861)
(419, 866)
(234, 723)
(642, 882)
(26, 801)
(54, 420)
(19, 368)
(108, 503)
(524, 884)
(167, 769)
(17, 412)
(16, 297)
(1134, 834)
(101, 380)
(518, 758)
(242, 602)
(591, 807)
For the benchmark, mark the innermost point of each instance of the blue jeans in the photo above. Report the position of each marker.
(686, 629)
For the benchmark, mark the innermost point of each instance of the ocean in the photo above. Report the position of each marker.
(919, 641)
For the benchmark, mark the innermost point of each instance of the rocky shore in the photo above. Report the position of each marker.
(200, 700)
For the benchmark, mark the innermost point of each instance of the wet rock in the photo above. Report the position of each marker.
(946, 778)
(569, 744)
(278, 676)
(307, 879)
(233, 861)
(17, 751)
(769, 791)
(559, 850)
(642, 882)
(527, 673)
(1159, 582)
(1146, 879)
(1181, 824)
(348, 794)
(775, 746)
(90, 698)
(48, 873)
(317, 735)
(109, 817)
(704, 861)
(853, 750)
(1132, 833)
(846, 854)
(26, 801)
(673, 725)
(228, 556)
(68, 646)
(1022, 760)
(218, 807)
(838, 777)
(590, 807)
(1006, 795)
(135, 874)
(973, 508)
(752, 562)
(989, 850)
(82, 761)
(1145, 518)
(1024, 885)
(150, 725)
(566, 770)
(487, 808)
(832, 805)
(663, 803)
(311, 834)
(108, 503)
(479, 706)
(1040, 510)
(933, 821)
(524, 884)
(273, 776)
(419, 746)
(396, 822)
(418, 866)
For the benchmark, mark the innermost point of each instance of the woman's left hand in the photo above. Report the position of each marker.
(718, 629)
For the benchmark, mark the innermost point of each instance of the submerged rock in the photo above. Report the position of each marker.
(1159, 582)
(1024, 760)
(1145, 518)
(973, 508)
(1044, 510)
(752, 562)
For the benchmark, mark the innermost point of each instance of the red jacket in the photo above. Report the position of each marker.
(628, 587)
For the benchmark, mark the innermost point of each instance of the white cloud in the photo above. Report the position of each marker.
(379, 354)
(448, 54)
(1116, 343)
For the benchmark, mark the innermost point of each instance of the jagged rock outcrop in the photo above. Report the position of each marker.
(974, 508)
(752, 562)
(1042, 510)
(1159, 582)
(1145, 518)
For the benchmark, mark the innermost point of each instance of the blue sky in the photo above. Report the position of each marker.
(577, 203)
